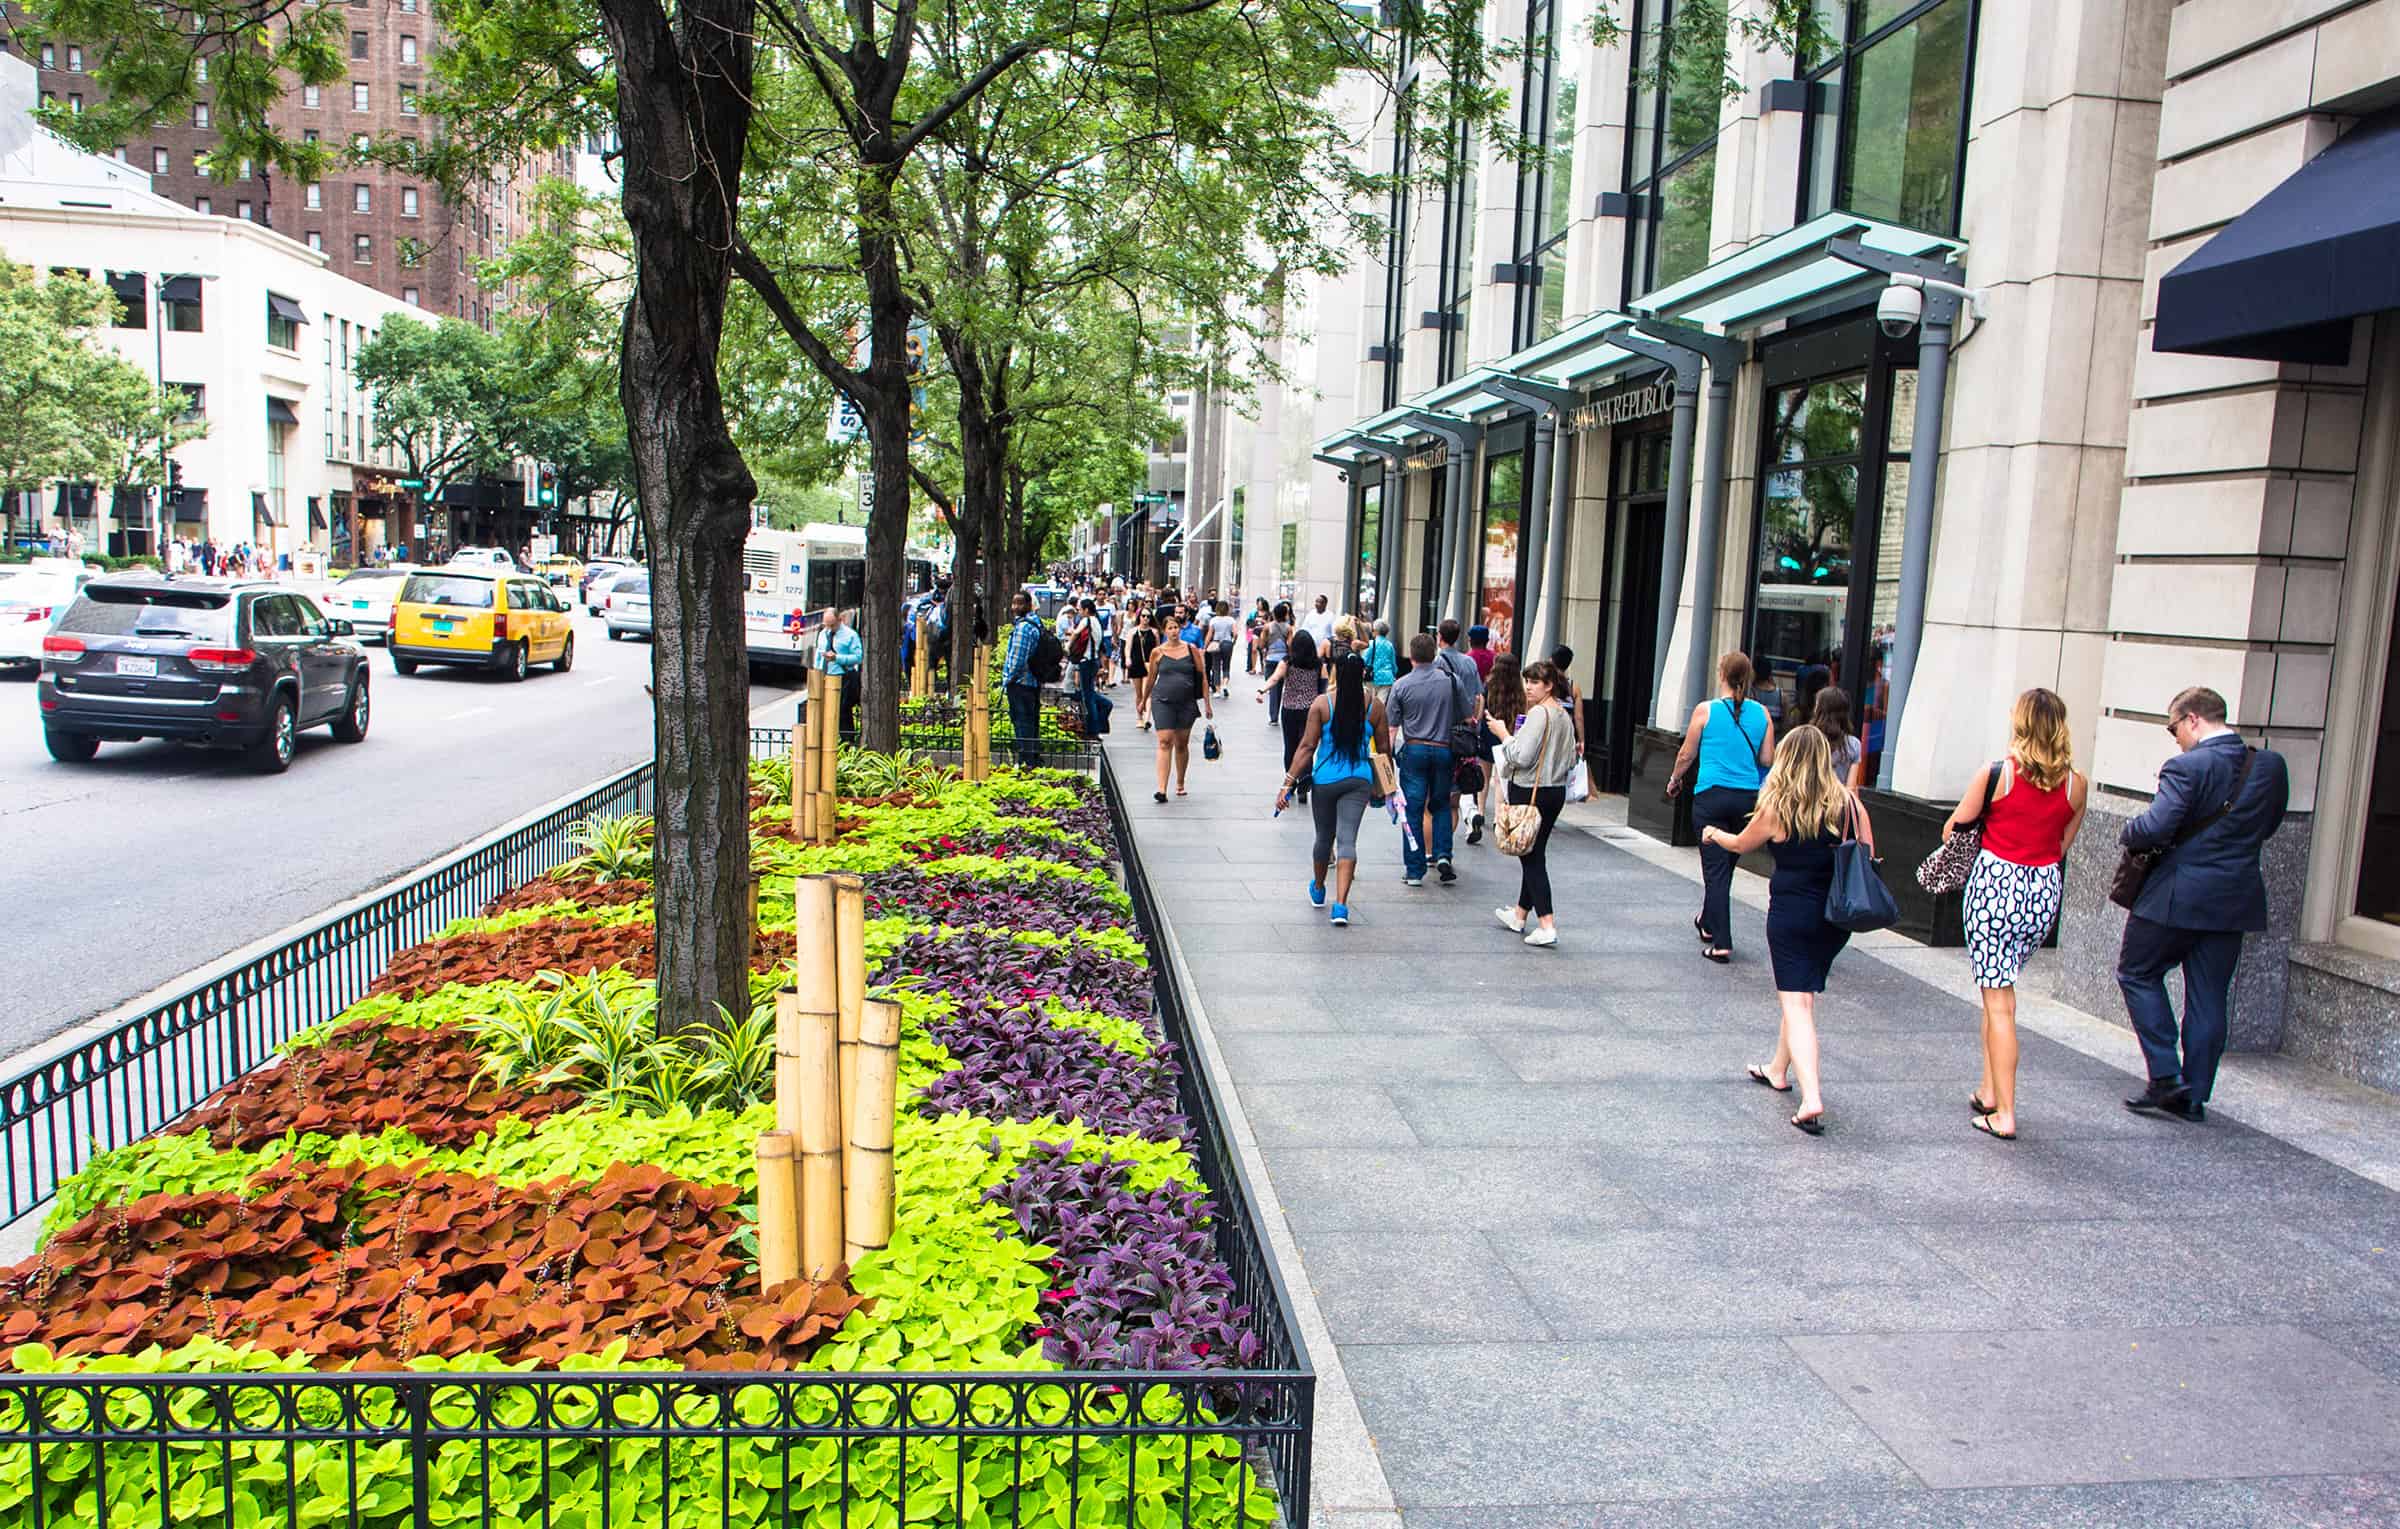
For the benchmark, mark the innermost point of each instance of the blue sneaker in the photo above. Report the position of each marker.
(1341, 915)
(1316, 894)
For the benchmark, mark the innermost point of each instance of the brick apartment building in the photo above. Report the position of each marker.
(376, 226)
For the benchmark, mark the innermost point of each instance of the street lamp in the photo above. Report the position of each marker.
(158, 337)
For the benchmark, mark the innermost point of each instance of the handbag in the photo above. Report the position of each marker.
(1387, 777)
(2135, 865)
(1579, 782)
(1515, 827)
(1858, 900)
(1947, 868)
(1210, 748)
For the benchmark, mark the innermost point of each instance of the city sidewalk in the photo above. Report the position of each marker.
(1561, 1263)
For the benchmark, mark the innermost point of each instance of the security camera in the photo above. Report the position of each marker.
(1901, 306)
(1341, 474)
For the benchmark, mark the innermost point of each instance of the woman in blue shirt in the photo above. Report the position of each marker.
(1335, 740)
(1383, 661)
(1732, 738)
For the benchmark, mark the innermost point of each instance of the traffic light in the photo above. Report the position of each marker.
(545, 486)
(174, 475)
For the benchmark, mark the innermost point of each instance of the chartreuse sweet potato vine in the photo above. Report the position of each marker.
(1029, 937)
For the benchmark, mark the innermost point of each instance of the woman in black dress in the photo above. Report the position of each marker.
(1137, 662)
(1178, 698)
(1803, 813)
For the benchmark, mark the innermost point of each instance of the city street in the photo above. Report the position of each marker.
(153, 859)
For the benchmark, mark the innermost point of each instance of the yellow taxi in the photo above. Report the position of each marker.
(483, 618)
(559, 568)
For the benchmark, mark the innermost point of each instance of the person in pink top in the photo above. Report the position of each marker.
(2031, 806)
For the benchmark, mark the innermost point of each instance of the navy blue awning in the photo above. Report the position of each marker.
(2283, 281)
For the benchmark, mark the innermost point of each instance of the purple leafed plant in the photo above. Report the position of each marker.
(1139, 1286)
(973, 963)
(1088, 819)
(1010, 843)
(1013, 1064)
(1051, 904)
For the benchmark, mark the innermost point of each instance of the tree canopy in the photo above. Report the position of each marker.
(76, 410)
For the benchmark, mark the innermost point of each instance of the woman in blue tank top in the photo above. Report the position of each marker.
(1730, 740)
(1343, 730)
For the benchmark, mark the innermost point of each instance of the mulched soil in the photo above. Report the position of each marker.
(547, 945)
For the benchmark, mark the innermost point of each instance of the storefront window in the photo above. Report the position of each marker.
(1370, 548)
(1806, 514)
(1670, 163)
(1503, 510)
(2379, 840)
(1887, 104)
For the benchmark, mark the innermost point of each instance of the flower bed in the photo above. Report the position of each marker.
(494, 1161)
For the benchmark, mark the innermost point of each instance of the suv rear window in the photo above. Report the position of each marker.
(447, 589)
(206, 615)
(634, 583)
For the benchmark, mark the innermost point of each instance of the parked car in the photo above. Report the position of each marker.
(364, 599)
(225, 663)
(480, 618)
(594, 572)
(628, 608)
(559, 568)
(30, 599)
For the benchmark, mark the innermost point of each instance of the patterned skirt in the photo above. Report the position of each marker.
(2009, 911)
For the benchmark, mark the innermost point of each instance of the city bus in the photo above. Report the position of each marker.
(792, 580)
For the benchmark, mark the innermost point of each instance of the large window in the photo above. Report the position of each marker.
(1816, 450)
(1503, 511)
(1546, 119)
(1456, 300)
(1887, 112)
(1398, 221)
(1671, 142)
(1370, 547)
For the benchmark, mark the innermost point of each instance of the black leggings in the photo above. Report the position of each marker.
(1533, 885)
(1727, 809)
(1294, 724)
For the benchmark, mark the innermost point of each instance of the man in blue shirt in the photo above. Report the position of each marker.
(1017, 678)
(839, 653)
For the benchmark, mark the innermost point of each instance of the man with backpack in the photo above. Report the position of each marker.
(1035, 658)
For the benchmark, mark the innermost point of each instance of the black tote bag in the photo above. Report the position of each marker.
(1858, 900)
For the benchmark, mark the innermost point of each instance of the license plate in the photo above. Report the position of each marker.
(147, 667)
(358, 605)
(445, 628)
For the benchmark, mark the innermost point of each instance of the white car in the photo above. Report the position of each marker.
(628, 605)
(485, 557)
(596, 588)
(30, 599)
(364, 599)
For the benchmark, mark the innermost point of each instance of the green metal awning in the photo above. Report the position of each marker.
(1788, 274)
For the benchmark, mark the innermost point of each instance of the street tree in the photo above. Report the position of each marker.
(441, 405)
(76, 411)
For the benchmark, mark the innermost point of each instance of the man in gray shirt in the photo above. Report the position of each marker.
(1422, 707)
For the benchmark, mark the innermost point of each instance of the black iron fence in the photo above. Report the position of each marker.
(671, 1448)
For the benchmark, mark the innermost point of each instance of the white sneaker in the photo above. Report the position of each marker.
(1509, 920)
(1542, 939)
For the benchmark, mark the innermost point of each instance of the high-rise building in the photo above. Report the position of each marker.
(380, 227)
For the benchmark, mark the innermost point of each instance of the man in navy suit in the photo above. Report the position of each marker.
(2218, 803)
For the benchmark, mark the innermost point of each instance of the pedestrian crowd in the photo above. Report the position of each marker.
(1456, 738)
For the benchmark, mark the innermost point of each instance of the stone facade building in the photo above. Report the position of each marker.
(1632, 393)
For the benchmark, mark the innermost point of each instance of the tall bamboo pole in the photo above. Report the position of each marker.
(778, 1211)
(850, 972)
(829, 748)
(867, 1158)
(804, 775)
(808, 1080)
(799, 759)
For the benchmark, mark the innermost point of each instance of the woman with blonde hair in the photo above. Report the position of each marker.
(2031, 807)
(1804, 813)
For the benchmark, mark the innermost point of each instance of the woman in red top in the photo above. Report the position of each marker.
(2013, 893)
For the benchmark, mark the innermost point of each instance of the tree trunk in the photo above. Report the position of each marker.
(683, 109)
(886, 409)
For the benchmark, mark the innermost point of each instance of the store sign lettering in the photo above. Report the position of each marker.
(1430, 457)
(1640, 403)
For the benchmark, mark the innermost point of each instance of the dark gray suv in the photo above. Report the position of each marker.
(218, 662)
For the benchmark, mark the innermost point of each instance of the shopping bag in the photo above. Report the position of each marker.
(1210, 748)
(1579, 783)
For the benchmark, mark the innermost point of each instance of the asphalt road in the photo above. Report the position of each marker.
(119, 875)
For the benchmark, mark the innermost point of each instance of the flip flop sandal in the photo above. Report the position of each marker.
(1983, 1123)
(1699, 928)
(1758, 1075)
(1721, 957)
(1814, 1125)
(1976, 1104)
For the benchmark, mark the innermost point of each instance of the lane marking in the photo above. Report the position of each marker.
(602, 680)
(472, 711)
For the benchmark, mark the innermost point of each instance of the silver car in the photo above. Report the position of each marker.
(628, 605)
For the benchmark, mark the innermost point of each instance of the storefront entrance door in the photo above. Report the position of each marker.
(1628, 638)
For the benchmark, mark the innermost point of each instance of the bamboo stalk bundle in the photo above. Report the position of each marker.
(778, 1211)
(807, 1075)
(850, 983)
(829, 747)
(804, 771)
(799, 761)
(867, 1155)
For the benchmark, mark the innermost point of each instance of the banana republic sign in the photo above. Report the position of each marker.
(1435, 455)
(1636, 403)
